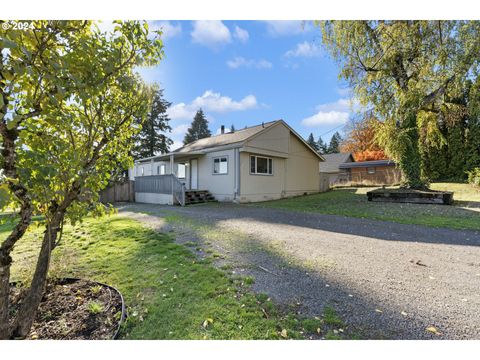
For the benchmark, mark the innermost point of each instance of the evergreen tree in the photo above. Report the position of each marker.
(198, 129)
(232, 128)
(456, 153)
(311, 141)
(472, 146)
(152, 139)
(472, 136)
(322, 146)
(334, 146)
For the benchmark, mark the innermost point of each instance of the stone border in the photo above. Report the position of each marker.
(411, 196)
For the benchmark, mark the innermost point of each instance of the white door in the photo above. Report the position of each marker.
(194, 174)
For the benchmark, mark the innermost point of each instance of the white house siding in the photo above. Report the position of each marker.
(222, 186)
(153, 198)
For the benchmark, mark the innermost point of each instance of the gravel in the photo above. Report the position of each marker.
(386, 280)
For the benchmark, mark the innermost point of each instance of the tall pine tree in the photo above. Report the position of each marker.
(334, 146)
(152, 139)
(311, 141)
(322, 146)
(198, 129)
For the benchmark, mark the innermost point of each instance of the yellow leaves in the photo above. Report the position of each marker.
(433, 330)
(207, 322)
(284, 334)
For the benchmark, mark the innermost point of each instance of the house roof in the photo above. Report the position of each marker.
(224, 139)
(367, 164)
(227, 139)
(333, 161)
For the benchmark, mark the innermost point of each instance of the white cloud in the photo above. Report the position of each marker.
(211, 102)
(326, 118)
(287, 27)
(304, 49)
(180, 129)
(169, 30)
(210, 33)
(241, 34)
(239, 61)
(335, 113)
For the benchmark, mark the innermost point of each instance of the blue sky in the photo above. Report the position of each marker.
(247, 72)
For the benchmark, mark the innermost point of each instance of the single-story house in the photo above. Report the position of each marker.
(375, 172)
(263, 162)
(342, 169)
(330, 168)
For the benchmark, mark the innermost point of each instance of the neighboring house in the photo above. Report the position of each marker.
(263, 162)
(342, 169)
(330, 168)
(375, 172)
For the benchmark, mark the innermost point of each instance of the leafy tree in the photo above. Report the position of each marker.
(335, 141)
(472, 136)
(360, 140)
(411, 72)
(151, 140)
(198, 129)
(69, 98)
(322, 146)
(311, 141)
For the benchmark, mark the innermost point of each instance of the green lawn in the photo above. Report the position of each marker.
(169, 294)
(464, 214)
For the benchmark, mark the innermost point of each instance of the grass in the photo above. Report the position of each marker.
(464, 214)
(170, 293)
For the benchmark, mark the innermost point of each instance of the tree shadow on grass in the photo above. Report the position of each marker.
(289, 282)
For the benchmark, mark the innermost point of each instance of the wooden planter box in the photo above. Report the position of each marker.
(411, 196)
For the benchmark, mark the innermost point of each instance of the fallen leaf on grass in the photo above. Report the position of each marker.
(207, 322)
(284, 333)
(378, 311)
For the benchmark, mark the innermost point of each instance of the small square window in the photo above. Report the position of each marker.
(220, 165)
(371, 170)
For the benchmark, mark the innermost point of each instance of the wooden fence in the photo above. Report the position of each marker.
(119, 192)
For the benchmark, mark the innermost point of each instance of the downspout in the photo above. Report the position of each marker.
(237, 175)
(171, 173)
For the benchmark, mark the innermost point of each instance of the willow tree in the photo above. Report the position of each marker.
(69, 99)
(411, 73)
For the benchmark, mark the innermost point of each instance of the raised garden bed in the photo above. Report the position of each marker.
(75, 309)
(411, 196)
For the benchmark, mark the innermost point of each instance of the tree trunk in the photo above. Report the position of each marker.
(4, 294)
(410, 162)
(30, 304)
(6, 261)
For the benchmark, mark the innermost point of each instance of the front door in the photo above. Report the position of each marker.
(194, 174)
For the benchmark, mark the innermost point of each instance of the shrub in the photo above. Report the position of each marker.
(474, 177)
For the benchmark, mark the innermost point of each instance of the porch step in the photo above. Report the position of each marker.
(198, 196)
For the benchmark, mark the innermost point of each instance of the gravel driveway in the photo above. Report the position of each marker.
(385, 279)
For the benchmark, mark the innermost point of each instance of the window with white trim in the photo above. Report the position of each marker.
(181, 171)
(260, 165)
(161, 169)
(220, 165)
